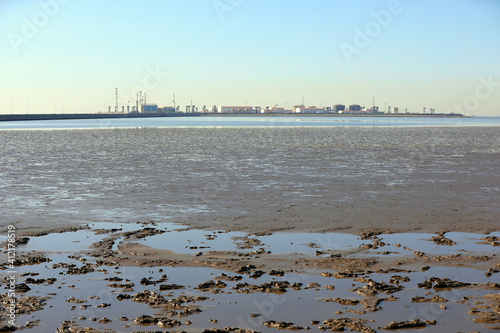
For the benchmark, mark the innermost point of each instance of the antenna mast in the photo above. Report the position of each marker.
(116, 99)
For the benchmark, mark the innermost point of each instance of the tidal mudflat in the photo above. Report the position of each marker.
(258, 229)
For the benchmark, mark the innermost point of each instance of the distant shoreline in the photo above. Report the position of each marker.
(74, 116)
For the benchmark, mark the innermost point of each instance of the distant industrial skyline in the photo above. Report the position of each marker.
(69, 56)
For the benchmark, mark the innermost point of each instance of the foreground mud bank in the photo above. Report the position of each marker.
(114, 277)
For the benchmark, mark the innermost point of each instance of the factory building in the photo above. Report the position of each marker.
(337, 108)
(311, 109)
(277, 110)
(166, 109)
(149, 108)
(236, 109)
(354, 107)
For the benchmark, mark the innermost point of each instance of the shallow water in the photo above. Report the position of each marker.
(251, 121)
(181, 239)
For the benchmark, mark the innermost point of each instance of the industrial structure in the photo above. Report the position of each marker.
(141, 106)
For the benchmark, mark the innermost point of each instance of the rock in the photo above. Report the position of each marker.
(34, 259)
(142, 233)
(171, 287)
(441, 240)
(276, 272)
(282, 325)
(340, 324)
(404, 324)
(435, 299)
(211, 285)
(343, 301)
(277, 287)
(103, 321)
(493, 240)
(22, 287)
(444, 283)
(226, 277)
(144, 319)
(245, 269)
(370, 234)
(395, 279)
(228, 330)
(374, 288)
(256, 274)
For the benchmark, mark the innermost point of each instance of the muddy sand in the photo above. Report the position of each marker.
(362, 229)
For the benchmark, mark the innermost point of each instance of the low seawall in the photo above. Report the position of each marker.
(22, 117)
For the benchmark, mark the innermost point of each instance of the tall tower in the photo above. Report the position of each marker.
(116, 100)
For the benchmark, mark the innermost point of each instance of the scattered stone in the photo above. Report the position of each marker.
(340, 324)
(256, 274)
(404, 325)
(16, 242)
(245, 269)
(438, 283)
(370, 234)
(103, 321)
(373, 288)
(343, 301)
(246, 242)
(149, 281)
(28, 259)
(21, 287)
(72, 299)
(313, 285)
(144, 319)
(345, 275)
(395, 279)
(103, 305)
(8, 328)
(493, 240)
(24, 305)
(441, 240)
(277, 287)
(142, 233)
(278, 272)
(228, 330)
(435, 299)
(69, 326)
(171, 287)
(29, 324)
(226, 277)
(282, 325)
(211, 285)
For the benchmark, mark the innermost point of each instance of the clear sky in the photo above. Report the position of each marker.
(69, 55)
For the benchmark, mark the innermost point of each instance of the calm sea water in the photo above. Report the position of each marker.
(252, 121)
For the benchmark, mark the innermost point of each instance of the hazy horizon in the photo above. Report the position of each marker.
(69, 56)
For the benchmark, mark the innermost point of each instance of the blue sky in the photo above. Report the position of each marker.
(408, 53)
